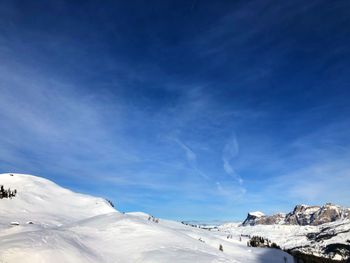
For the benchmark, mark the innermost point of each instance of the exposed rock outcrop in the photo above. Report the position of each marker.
(301, 215)
(253, 218)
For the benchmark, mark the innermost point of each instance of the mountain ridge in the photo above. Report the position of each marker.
(301, 215)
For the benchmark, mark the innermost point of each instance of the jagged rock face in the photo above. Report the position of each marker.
(301, 215)
(260, 219)
(252, 218)
(273, 220)
(326, 214)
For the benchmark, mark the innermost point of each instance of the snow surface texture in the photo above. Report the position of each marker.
(47, 223)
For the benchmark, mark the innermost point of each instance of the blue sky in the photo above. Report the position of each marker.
(184, 109)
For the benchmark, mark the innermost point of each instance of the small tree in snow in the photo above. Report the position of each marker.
(221, 248)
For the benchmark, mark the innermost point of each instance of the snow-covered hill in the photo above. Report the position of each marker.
(44, 202)
(47, 223)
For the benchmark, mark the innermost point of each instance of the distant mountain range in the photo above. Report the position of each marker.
(302, 215)
(310, 233)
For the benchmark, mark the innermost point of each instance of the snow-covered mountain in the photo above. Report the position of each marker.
(320, 231)
(301, 215)
(43, 222)
(329, 240)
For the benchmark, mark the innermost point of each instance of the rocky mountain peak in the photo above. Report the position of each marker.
(301, 215)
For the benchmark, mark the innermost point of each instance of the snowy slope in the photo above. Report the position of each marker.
(70, 227)
(40, 200)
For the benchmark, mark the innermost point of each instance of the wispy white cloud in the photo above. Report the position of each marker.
(319, 182)
(312, 169)
(52, 127)
(46, 122)
(191, 157)
(230, 191)
(230, 152)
